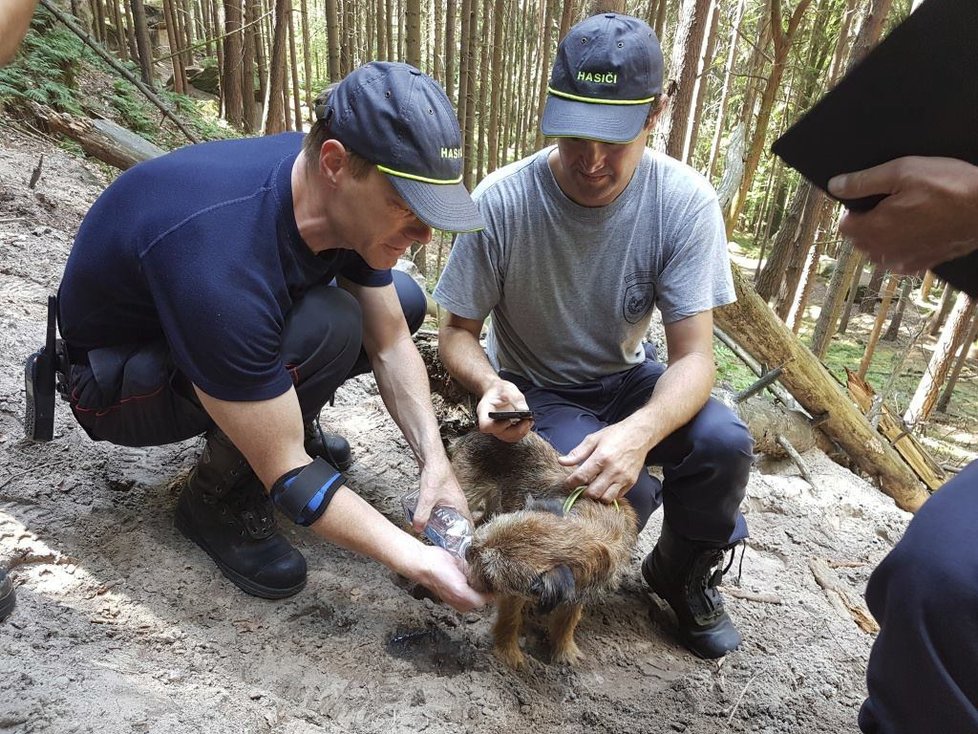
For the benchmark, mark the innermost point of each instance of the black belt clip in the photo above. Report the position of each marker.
(39, 382)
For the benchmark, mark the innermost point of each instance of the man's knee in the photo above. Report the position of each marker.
(723, 439)
(414, 303)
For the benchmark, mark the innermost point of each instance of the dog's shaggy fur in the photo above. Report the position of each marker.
(526, 550)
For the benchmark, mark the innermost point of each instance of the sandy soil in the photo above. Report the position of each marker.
(123, 625)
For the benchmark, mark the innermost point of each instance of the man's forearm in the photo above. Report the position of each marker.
(403, 384)
(465, 359)
(680, 393)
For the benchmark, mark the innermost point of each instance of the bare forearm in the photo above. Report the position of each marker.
(403, 383)
(680, 394)
(15, 17)
(465, 359)
(351, 523)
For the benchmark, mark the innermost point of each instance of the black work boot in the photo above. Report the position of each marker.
(330, 447)
(224, 509)
(8, 598)
(685, 573)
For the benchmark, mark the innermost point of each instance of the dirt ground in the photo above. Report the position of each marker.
(123, 625)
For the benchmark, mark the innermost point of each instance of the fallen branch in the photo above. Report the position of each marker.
(839, 597)
(758, 596)
(796, 458)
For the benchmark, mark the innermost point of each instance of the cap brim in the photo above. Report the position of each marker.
(608, 123)
(448, 207)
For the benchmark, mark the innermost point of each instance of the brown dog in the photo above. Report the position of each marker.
(528, 549)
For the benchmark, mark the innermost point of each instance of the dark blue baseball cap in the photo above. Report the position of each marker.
(607, 73)
(401, 121)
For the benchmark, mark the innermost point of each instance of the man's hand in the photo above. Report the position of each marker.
(503, 395)
(609, 460)
(438, 487)
(930, 214)
(441, 574)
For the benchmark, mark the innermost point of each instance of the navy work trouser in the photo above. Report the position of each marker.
(705, 464)
(923, 669)
(133, 395)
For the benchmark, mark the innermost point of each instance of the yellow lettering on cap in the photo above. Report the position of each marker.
(597, 77)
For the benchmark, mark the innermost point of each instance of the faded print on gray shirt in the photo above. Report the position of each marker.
(571, 288)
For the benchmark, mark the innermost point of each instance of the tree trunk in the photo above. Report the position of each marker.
(173, 40)
(767, 339)
(926, 286)
(333, 41)
(451, 8)
(413, 28)
(958, 365)
(495, 107)
(795, 267)
(845, 268)
(953, 336)
(143, 45)
(868, 305)
(485, 77)
(782, 39)
(232, 81)
(944, 308)
(893, 330)
(874, 335)
(549, 11)
(274, 100)
(250, 63)
(735, 29)
(702, 81)
(294, 68)
(686, 48)
(853, 294)
(307, 60)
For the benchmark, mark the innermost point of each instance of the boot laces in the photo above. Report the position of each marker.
(253, 509)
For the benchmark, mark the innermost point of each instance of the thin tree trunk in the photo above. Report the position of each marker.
(926, 286)
(307, 59)
(893, 330)
(333, 40)
(735, 29)
(413, 28)
(953, 336)
(874, 335)
(497, 77)
(179, 75)
(702, 81)
(451, 8)
(294, 67)
(853, 294)
(274, 100)
(944, 308)
(686, 48)
(549, 10)
(232, 82)
(143, 44)
(945, 398)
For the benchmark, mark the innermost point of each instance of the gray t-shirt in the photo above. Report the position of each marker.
(571, 288)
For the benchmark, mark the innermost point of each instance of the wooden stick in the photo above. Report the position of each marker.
(97, 47)
(796, 458)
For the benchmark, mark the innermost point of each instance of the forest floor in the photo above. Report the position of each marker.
(123, 625)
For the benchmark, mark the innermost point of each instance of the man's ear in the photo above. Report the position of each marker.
(333, 160)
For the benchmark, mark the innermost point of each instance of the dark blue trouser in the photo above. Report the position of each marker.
(133, 395)
(923, 670)
(705, 463)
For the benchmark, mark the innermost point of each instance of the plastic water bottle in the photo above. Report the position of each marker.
(447, 527)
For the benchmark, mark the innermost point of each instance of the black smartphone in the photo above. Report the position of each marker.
(503, 415)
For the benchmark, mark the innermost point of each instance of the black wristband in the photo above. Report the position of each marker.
(304, 493)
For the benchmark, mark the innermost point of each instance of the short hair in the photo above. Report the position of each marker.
(319, 133)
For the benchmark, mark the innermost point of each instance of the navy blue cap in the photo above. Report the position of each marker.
(400, 120)
(607, 73)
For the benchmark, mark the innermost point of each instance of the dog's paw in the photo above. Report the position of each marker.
(513, 657)
(569, 654)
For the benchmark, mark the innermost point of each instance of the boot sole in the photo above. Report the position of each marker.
(8, 598)
(242, 582)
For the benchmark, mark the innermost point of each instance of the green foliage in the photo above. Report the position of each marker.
(132, 107)
(46, 68)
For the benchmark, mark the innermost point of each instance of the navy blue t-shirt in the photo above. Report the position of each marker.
(201, 247)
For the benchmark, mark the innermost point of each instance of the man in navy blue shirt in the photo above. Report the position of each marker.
(198, 298)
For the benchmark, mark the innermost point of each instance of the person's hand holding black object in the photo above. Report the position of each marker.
(929, 215)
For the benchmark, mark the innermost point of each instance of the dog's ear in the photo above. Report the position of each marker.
(553, 588)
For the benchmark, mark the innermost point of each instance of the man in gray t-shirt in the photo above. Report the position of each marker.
(581, 241)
